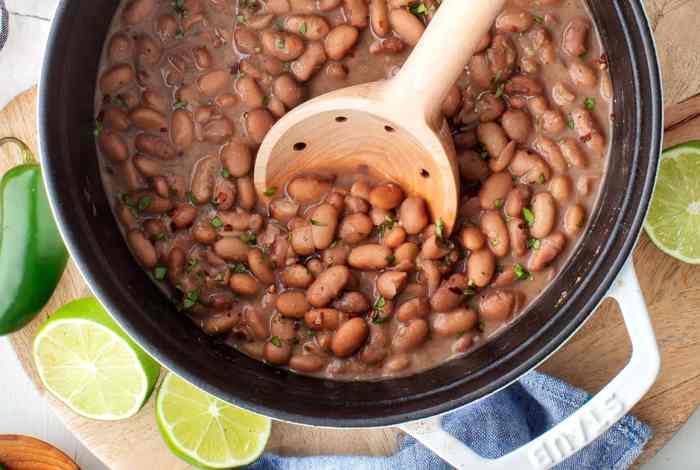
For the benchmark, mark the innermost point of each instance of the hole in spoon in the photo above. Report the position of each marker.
(389, 129)
(299, 146)
(425, 173)
(340, 119)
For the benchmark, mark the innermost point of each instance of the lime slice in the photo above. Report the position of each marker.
(205, 431)
(91, 365)
(673, 222)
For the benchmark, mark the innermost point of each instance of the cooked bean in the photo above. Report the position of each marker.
(406, 25)
(386, 196)
(113, 145)
(352, 303)
(472, 238)
(588, 130)
(119, 48)
(328, 285)
(296, 276)
(147, 50)
(284, 46)
(551, 153)
(518, 233)
(311, 27)
(257, 123)
(142, 248)
(349, 337)
(453, 323)
(287, 90)
(575, 37)
(324, 221)
(340, 40)
(302, 240)
(562, 95)
(394, 237)
(306, 363)
(497, 306)
(544, 208)
(250, 92)
(493, 137)
(204, 233)
(246, 40)
(309, 62)
(560, 188)
(514, 20)
(115, 78)
(355, 227)
(582, 75)
(391, 283)
(431, 275)
(503, 159)
(303, 6)
(481, 266)
(218, 131)
(148, 119)
(517, 125)
(183, 216)
(375, 349)
(549, 249)
(523, 85)
(182, 129)
(493, 192)
(572, 153)
(450, 294)
(452, 102)
(232, 249)
(278, 350)
(138, 11)
(434, 248)
(203, 176)
(278, 7)
(243, 284)
(328, 5)
(517, 199)
(292, 304)
(369, 257)
(260, 266)
(480, 71)
(256, 322)
(237, 158)
(308, 189)
(417, 307)
(214, 83)
(410, 336)
(531, 168)
(489, 107)
(496, 232)
(413, 215)
(574, 220)
(379, 17)
(202, 57)
(407, 252)
(116, 118)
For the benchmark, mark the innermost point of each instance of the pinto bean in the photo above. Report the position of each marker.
(237, 158)
(328, 285)
(360, 189)
(279, 351)
(328, 5)
(308, 189)
(379, 17)
(493, 137)
(287, 90)
(550, 247)
(480, 70)
(340, 40)
(417, 307)
(504, 158)
(308, 363)
(249, 91)
(218, 131)
(296, 276)
(489, 107)
(356, 12)
(523, 85)
(572, 152)
(116, 118)
(562, 95)
(337, 255)
(582, 75)
(138, 11)
(406, 253)
(246, 40)
(496, 232)
(410, 336)
(369, 257)
(278, 7)
(292, 304)
(243, 284)
(204, 233)
(453, 323)
(113, 145)
(502, 56)
(116, 77)
(386, 196)
(324, 221)
(142, 248)
(311, 27)
(203, 176)
(283, 209)
(552, 121)
(119, 48)
(551, 153)
(349, 337)
(575, 37)
(413, 215)
(574, 220)
(257, 123)
(434, 248)
(147, 50)
(561, 187)
(284, 46)
(214, 83)
(531, 168)
(394, 237)
(256, 322)
(517, 125)
(181, 130)
(352, 303)
(391, 283)
(588, 130)
(148, 119)
(514, 20)
(232, 249)
(309, 62)
(481, 266)
(355, 227)
(431, 275)
(260, 266)
(183, 216)
(493, 192)
(302, 240)
(497, 306)
(450, 294)
(472, 238)
(517, 231)
(452, 102)
(544, 208)
(406, 26)
(202, 57)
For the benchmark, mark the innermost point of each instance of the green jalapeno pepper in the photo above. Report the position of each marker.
(32, 254)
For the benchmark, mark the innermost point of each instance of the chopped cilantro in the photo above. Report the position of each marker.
(499, 203)
(191, 265)
(528, 216)
(589, 103)
(269, 192)
(225, 173)
(570, 123)
(190, 197)
(144, 203)
(538, 19)
(216, 222)
(279, 43)
(534, 243)
(391, 259)
(99, 127)
(541, 179)
(419, 9)
(276, 341)
(190, 299)
(379, 304)
(440, 229)
(521, 273)
(160, 272)
(303, 28)
(179, 104)
(179, 34)
(239, 268)
(250, 238)
(316, 223)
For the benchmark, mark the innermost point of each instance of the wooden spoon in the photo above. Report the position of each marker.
(26, 453)
(394, 129)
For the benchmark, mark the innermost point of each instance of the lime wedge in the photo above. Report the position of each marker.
(91, 365)
(673, 222)
(205, 431)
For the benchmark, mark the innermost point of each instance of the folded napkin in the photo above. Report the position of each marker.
(495, 426)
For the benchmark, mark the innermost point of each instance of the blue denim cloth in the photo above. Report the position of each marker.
(495, 426)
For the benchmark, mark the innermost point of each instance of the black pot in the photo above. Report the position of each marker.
(71, 171)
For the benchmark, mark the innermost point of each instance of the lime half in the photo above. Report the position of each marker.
(673, 222)
(91, 365)
(205, 431)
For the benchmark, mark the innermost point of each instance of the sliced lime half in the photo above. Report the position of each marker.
(90, 364)
(205, 431)
(673, 222)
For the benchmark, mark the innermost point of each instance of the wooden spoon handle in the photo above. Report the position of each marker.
(444, 50)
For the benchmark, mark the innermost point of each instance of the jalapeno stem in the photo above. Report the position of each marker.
(24, 149)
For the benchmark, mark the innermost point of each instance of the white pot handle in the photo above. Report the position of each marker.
(587, 423)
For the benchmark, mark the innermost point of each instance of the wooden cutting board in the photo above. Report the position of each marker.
(589, 360)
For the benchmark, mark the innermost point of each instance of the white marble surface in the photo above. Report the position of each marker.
(22, 410)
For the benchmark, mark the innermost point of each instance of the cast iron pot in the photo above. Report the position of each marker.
(83, 212)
